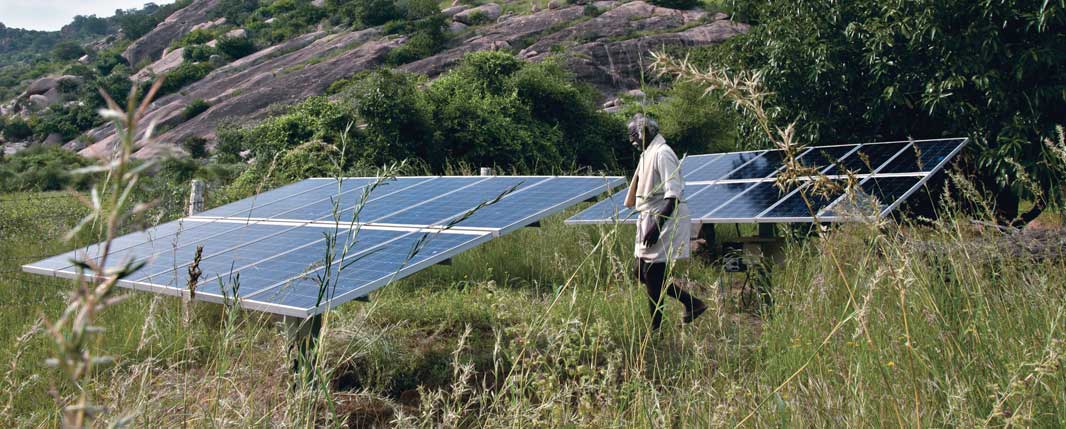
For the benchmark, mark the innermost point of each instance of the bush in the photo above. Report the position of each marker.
(42, 168)
(870, 70)
(67, 120)
(194, 108)
(235, 47)
(67, 51)
(313, 119)
(17, 129)
(397, 118)
(196, 37)
(199, 53)
(182, 75)
(195, 146)
(676, 4)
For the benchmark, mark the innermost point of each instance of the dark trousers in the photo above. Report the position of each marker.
(653, 275)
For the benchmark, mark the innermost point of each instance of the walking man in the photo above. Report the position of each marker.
(663, 227)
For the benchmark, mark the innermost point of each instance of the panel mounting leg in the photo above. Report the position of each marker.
(303, 336)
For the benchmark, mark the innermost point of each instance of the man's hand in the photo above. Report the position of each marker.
(651, 236)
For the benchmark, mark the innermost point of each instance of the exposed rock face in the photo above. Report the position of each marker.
(608, 51)
(618, 64)
(45, 84)
(169, 62)
(451, 11)
(208, 24)
(245, 89)
(506, 33)
(487, 12)
(176, 25)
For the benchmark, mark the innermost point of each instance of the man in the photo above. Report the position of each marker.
(664, 227)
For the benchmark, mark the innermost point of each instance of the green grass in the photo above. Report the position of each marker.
(864, 331)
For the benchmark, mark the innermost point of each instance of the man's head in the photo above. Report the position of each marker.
(641, 130)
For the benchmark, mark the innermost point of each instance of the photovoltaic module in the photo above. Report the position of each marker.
(274, 244)
(740, 187)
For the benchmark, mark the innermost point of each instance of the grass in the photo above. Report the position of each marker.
(544, 327)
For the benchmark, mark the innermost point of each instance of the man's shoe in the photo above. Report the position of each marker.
(692, 313)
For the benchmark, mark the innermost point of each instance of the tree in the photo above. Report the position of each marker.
(67, 50)
(872, 70)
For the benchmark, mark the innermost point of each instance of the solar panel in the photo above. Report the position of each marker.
(741, 187)
(273, 247)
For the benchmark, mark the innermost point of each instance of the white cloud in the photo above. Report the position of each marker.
(54, 14)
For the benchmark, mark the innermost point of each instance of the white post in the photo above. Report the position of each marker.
(196, 197)
(487, 171)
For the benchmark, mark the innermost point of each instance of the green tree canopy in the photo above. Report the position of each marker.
(994, 70)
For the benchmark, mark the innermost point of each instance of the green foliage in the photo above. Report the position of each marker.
(235, 47)
(313, 119)
(871, 70)
(492, 109)
(691, 122)
(366, 12)
(196, 37)
(17, 129)
(67, 50)
(199, 53)
(397, 118)
(311, 159)
(425, 26)
(184, 74)
(194, 108)
(42, 168)
(676, 4)
(235, 11)
(195, 146)
(67, 120)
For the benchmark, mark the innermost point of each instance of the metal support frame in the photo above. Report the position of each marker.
(303, 336)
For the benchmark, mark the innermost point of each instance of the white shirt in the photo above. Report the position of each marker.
(658, 177)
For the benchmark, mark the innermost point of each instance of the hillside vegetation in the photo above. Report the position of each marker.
(952, 316)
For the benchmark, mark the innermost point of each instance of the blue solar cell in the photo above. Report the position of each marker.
(691, 163)
(609, 209)
(821, 157)
(749, 204)
(922, 156)
(874, 196)
(868, 158)
(169, 268)
(761, 167)
(394, 260)
(388, 202)
(447, 205)
(804, 203)
(721, 166)
(704, 199)
(272, 261)
(535, 201)
(317, 201)
(241, 208)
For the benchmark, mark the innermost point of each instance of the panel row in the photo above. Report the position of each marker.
(893, 157)
(767, 202)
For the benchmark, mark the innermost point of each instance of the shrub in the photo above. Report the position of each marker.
(17, 129)
(67, 50)
(67, 120)
(235, 47)
(870, 70)
(195, 146)
(199, 53)
(184, 74)
(196, 37)
(397, 118)
(42, 168)
(676, 4)
(194, 108)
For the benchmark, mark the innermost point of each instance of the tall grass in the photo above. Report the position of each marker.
(888, 323)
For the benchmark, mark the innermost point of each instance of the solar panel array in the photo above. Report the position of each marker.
(273, 246)
(741, 187)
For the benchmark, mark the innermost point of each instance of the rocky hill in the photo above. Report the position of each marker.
(605, 43)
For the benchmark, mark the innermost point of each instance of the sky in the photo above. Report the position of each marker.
(51, 15)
